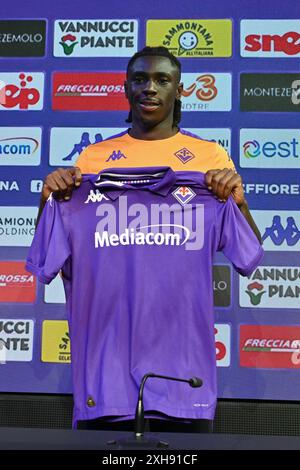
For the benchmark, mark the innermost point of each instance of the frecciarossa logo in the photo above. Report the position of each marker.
(157, 224)
(89, 91)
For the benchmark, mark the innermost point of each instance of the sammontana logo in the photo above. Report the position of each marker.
(156, 224)
(191, 37)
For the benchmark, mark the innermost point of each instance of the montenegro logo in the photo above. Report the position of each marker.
(183, 194)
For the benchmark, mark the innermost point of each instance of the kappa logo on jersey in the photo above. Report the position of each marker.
(183, 194)
(116, 155)
(184, 155)
(95, 196)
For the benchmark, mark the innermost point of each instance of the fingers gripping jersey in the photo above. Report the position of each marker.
(136, 247)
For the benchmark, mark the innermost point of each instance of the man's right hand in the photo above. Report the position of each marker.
(61, 183)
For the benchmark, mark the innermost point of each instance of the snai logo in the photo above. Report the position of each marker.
(270, 38)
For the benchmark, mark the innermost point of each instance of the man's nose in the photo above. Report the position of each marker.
(150, 86)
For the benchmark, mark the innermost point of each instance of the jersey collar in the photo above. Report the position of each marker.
(115, 181)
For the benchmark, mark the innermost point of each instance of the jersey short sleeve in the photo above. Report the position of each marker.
(223, 159)
(236, 239)
(82, 161)
(50, 247)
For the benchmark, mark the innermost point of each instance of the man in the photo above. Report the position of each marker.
(153, 90)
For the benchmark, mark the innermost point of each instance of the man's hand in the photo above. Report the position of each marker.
(224, 183)
(61, 183)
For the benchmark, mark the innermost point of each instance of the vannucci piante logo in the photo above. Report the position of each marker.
(95, 38)
(271, 287)
(255, 292)
(68, 42)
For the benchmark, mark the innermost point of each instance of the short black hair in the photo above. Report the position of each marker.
(159, 51)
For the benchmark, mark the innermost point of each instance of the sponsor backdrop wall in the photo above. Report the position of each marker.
(61, 88)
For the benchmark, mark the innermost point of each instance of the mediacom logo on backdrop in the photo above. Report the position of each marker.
(89, 91)
(22, 38)
(270, 347)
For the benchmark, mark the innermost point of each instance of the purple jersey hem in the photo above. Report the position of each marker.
(171, 413)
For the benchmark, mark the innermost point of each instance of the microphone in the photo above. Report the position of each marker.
(138, 440)
(139, 423)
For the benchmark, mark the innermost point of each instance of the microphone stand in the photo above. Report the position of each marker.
(138, 440)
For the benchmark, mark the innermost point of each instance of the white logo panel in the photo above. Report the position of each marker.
(16, 340)
(222, 341)
(20, 146)
(269, 148)
(17, 225)
(270, 38)
(21, 91)
(280, 230)
(205, 91)
(271, 287)
(67, 143)
(95, 38)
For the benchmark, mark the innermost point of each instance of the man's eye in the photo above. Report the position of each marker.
(138, 79)
(163, 81)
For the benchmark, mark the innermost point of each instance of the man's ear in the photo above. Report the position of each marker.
(126, 89)
(179, 91)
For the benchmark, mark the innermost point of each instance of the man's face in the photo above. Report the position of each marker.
(151, 88)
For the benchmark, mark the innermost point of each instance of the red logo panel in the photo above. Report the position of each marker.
(94, 91)
(271, 347)
(16, 284)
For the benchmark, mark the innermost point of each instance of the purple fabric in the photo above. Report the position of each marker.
(137, 262)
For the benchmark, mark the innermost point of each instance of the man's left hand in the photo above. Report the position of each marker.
(224, 183)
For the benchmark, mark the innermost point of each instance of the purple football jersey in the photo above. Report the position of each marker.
(136, 247)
